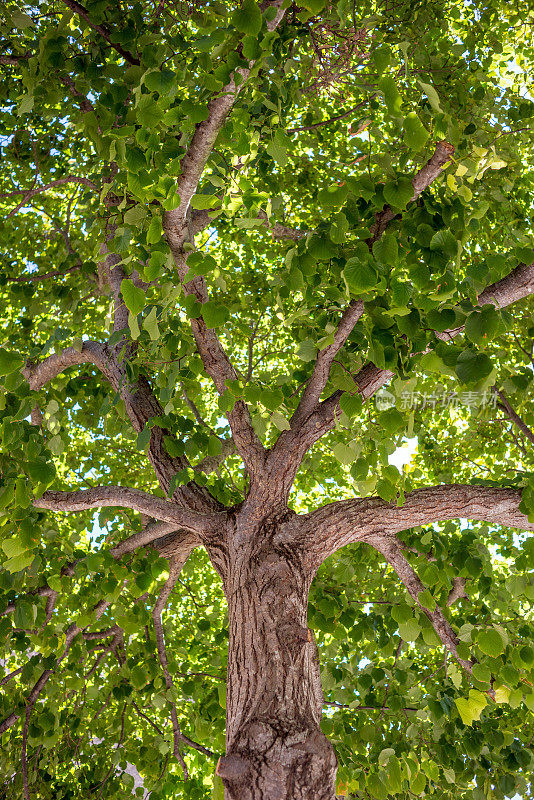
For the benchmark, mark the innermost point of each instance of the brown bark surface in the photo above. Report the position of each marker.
(275, 747)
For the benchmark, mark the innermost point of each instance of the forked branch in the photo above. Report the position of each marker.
(519, 283)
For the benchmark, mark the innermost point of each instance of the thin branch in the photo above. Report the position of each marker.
(23, 754)
(70, 635)
(174, 571)
(202, 143)
(280, 231)
(513, 415)
(332, 119)
(11, 675)
(84, 103)
(103, 31)
(35, 276)
(457, 591)
(28, 193)
(156, 532)
(321, 371)
(13, 60)
(391, 549)
(426, 175)
(177, 232)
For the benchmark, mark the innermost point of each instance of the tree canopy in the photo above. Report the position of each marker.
(262, 251)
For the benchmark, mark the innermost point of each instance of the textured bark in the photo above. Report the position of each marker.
(275, 747)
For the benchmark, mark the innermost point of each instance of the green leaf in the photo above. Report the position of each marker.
(150, 324)
(160, 81)
(18, 563)
(135, 159)
(279, 146)
(472, 707)
(217, 792)
(426, 600)
(333, 195)
(134, 297)
(321, 248)
(391, 420)
(280, 421)
(472, 366)
(149, 112)
(18, 19)
(13, 547)
(444, 242)
(433, 97)
(409, 630)
(398, 193)
(10, 362)
(247, 18)
(388, 87)
(339, 228)
(385, 250)
(138, 677)
(490, 642)
(481, 326)
(376, 787)
(214, 314)
(306, 350)
(351, 404)
(204, 201)
(25, 614)
(155, 230)
(343, 453)
(42, 472)
(194, 111)
(415, 134)
(359, 276)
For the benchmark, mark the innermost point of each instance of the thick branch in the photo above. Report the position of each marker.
(519, 283)
(306, 423)
(176, 227)
(122, 497)
(373, 520)
(202, 142)
(280, 231)
(183, 541)
(38, 375)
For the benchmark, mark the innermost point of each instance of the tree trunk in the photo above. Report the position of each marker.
(275, 749)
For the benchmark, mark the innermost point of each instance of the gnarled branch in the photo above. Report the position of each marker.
(374, 520)
(123, 497)
(38, 375)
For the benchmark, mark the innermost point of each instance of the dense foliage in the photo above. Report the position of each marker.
(343, 106)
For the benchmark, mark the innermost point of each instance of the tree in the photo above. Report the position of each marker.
(227, 228)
